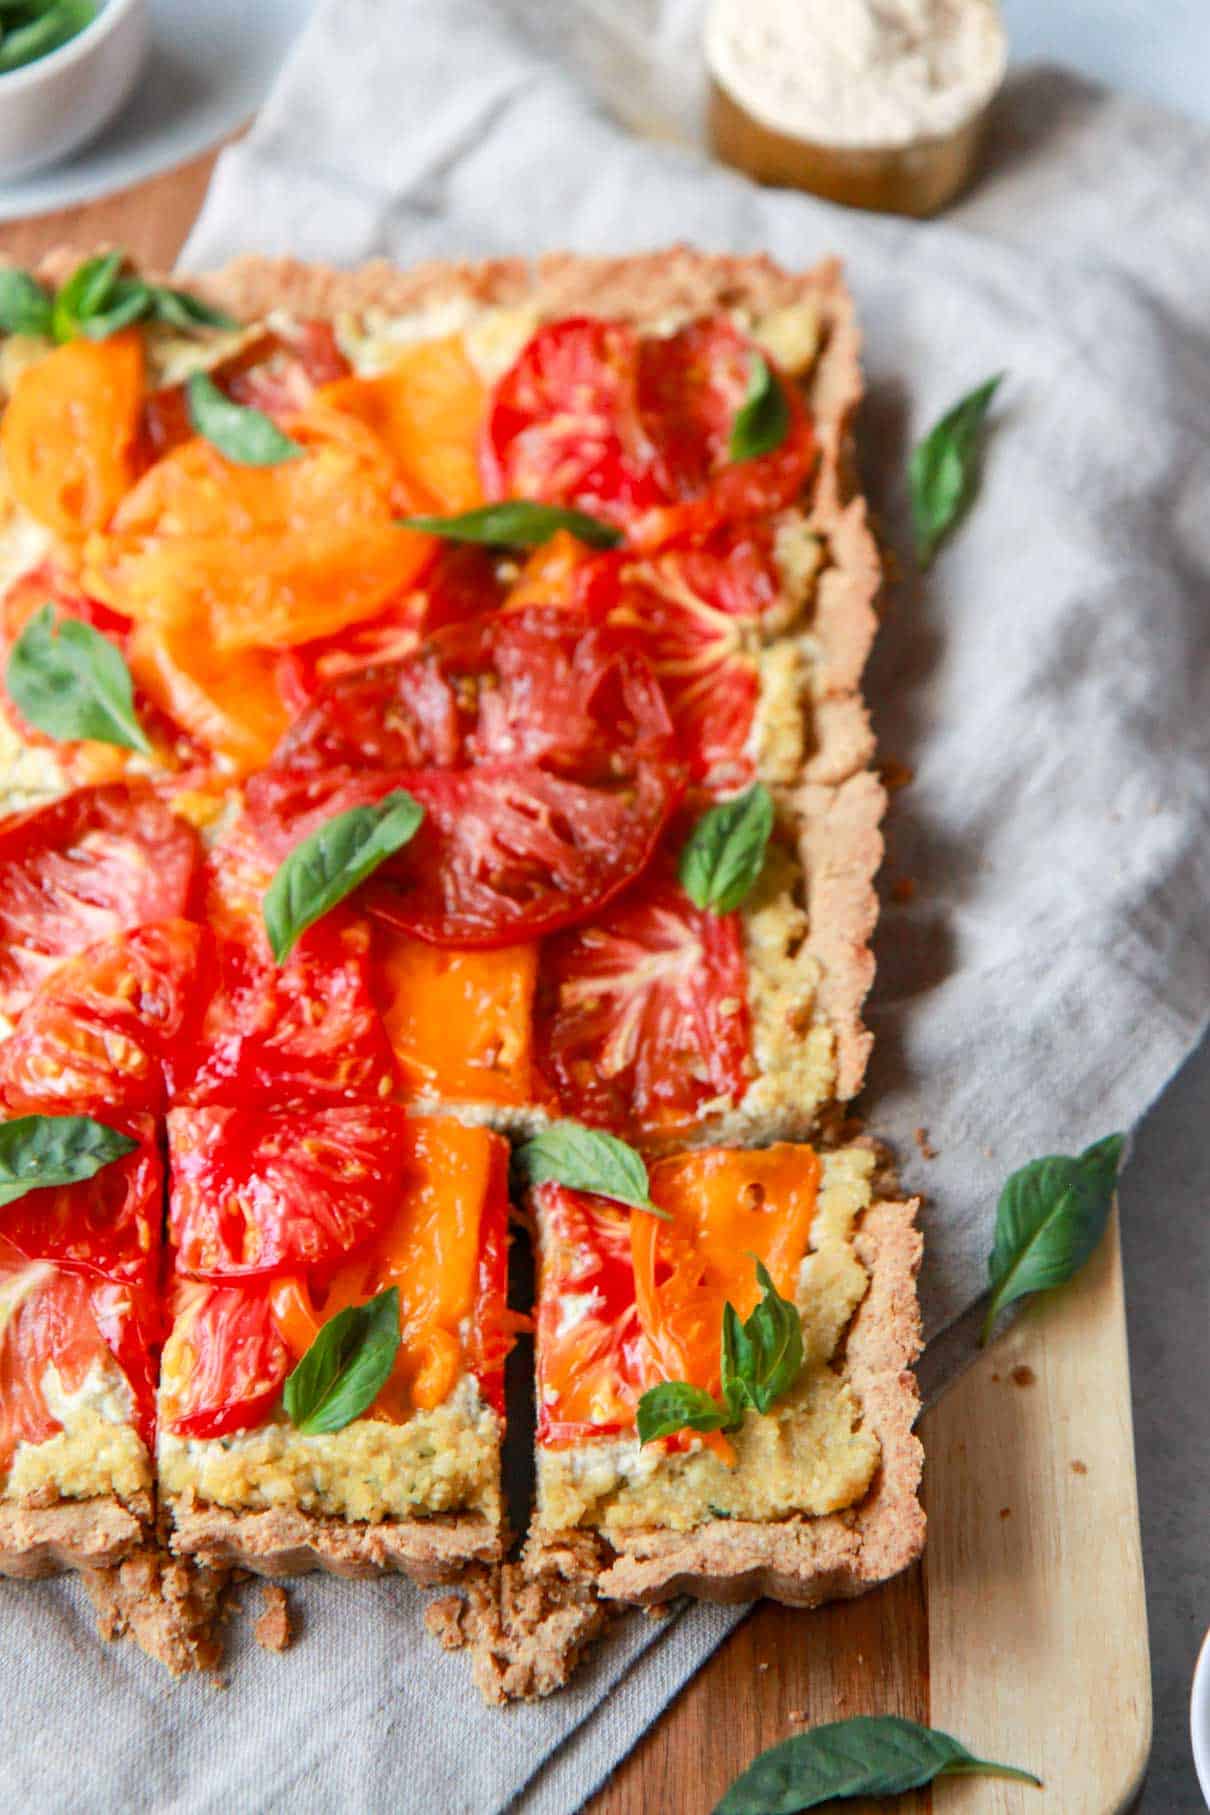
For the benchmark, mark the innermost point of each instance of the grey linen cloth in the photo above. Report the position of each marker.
(1048, 686)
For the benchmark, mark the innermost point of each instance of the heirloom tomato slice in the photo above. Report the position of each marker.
(458, 1022)
(427, 408)
(726, 1209)
(224, 1363)
(504, 853)
(642, 1020)
(535, 686)
(590, 1358)
(261, 1191)
(694, 612)
(101, 1030)
(106, 1226)
(70, 433)
(65, 1319)
(97, 862)
(636, 428)
(277, 1036)
(277, 372)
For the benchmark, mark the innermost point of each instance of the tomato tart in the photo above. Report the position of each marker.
(434, 772)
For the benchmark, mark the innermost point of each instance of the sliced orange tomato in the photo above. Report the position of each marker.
(550, 574)
(71, 431)
(229, 702)
(458, 1021)
(427, 409)
(729, 1208)
(446, 1250)
(261, 556)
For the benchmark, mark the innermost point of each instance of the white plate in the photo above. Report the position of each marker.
(1199, 1719)
(211, 64)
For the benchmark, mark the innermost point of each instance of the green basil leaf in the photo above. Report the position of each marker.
(763, 1357)
(345, 1368)
(70, 681)
(25, 304)
(763, 418)
(725, 853)
(86, 293)
(944, 467)
(587, 1159)
(330, 864)
(128, 301)
(517, 523)
(869, 1755)
(55, 26)
(1051, 1215)
(674, 1405)
(40, 1150)
(240, 433)
(181, 309)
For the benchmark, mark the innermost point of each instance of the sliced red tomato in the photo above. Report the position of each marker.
(693, 611)
(591, 1361)
(269, 1036)
(531, 686)
(73, 1323)
(642, 1016)
(100, 1030)
(493, 1331)
(48, 584)
(97, 862)
(564, 424)
(636, 429)
(505, 851)
(257, 1191)
(460, 583)
(278, 372)
(224, 1363)
(106, 1226)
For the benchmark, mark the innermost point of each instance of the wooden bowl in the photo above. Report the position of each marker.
(916, 179)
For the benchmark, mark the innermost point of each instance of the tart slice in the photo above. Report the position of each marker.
(79, 1339)
(281, 1223)
(764, 1448)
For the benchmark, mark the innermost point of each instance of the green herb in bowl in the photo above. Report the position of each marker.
(30, 29)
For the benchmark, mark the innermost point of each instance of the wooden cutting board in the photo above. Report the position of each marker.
(1024, 1630)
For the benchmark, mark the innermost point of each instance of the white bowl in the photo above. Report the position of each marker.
(1199, 1719)
(50, 106)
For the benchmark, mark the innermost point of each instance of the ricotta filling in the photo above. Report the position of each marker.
(97, 1452)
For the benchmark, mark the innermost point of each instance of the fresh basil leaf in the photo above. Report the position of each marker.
(587, 1159)
(86, 293)
(517, 523)
(181, 309)
(763, 1357)
(70, 681)
(128, 301)
(240, 433)
(869, 1755)
(725, 853)
(1051, 1215)
(943, 470)
(763, 418)
(332, 862)
(40, 1150)
(56, 25)
(345, 1368)
(673, 1406)
(25, 304)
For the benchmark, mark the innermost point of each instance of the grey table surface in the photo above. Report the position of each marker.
(1159, 49)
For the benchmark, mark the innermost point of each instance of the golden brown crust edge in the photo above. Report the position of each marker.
(70, 1534)
(805, 1561)
(285, 1541)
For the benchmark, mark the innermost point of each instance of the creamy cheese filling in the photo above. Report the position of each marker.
(97, 1452)
(811, 1455)
(440, 1461)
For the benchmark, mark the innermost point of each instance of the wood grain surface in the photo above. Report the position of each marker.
(1024, 1631)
